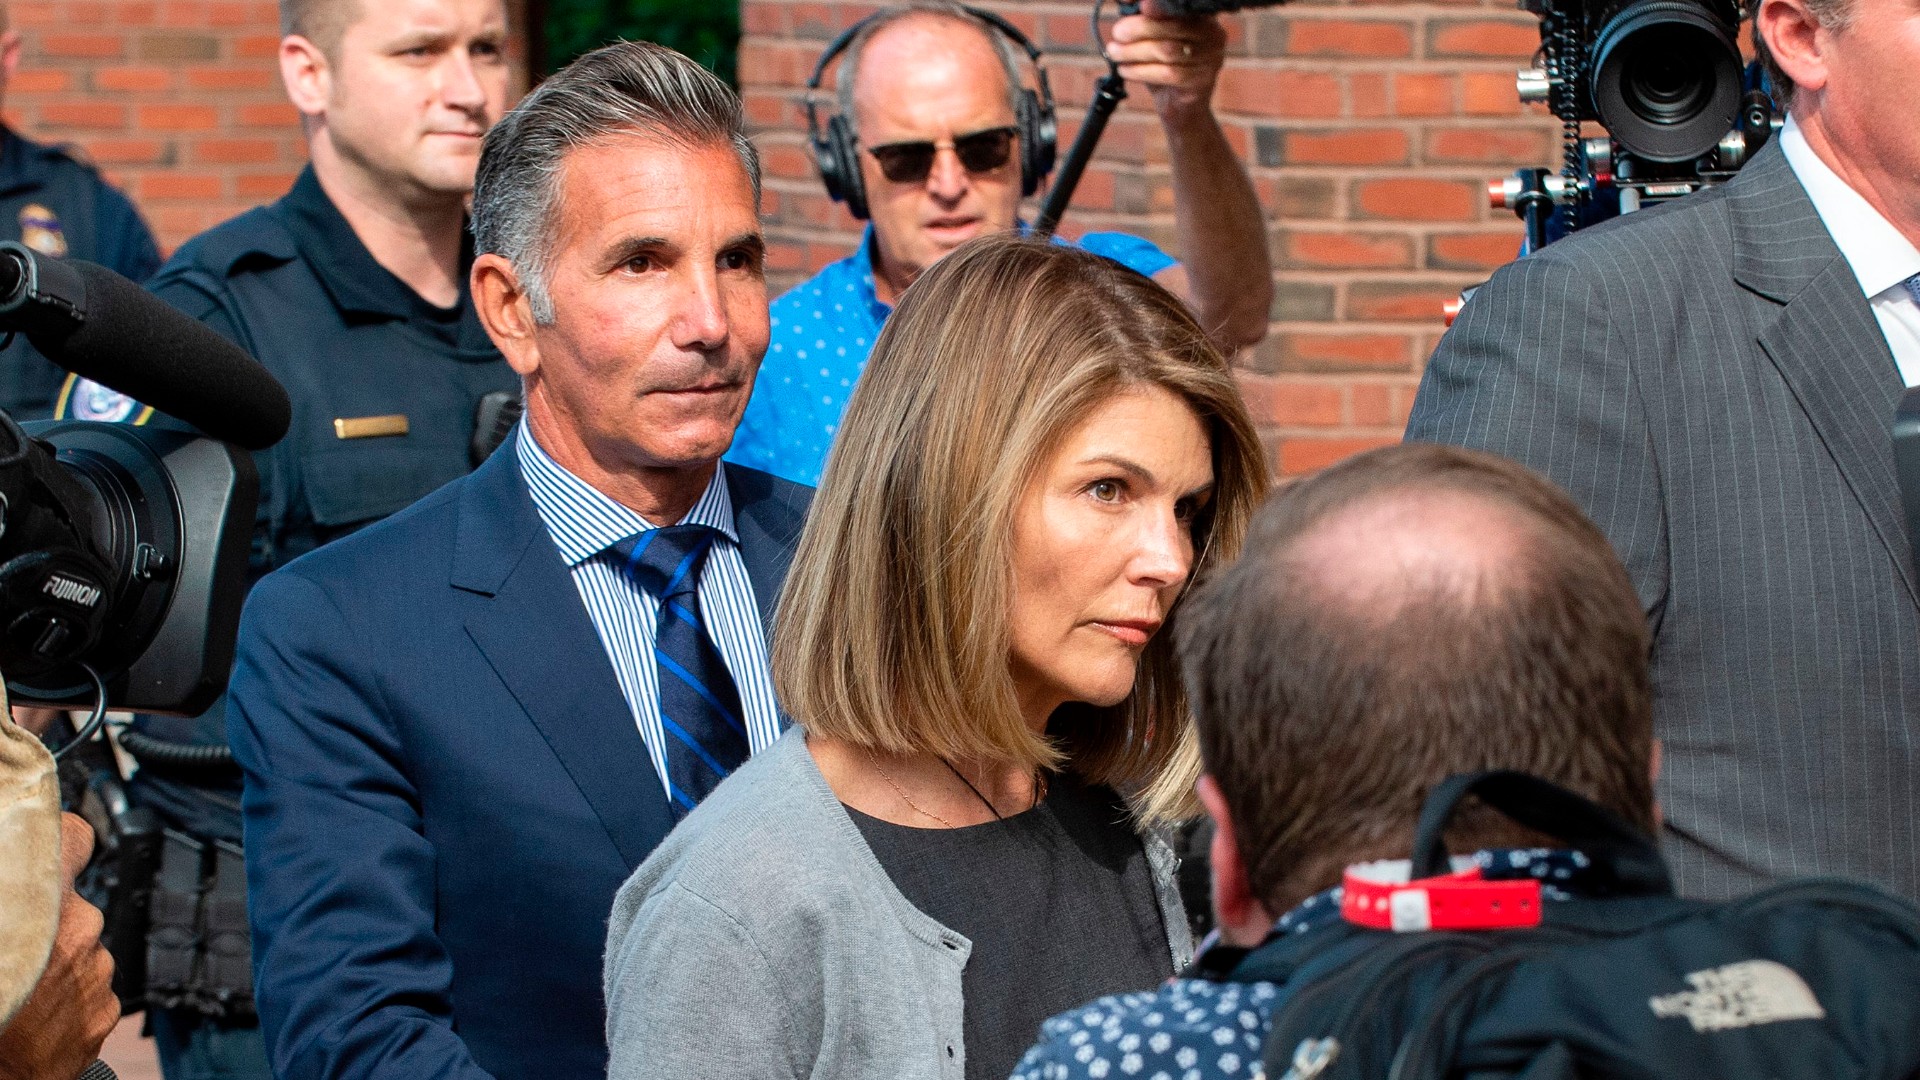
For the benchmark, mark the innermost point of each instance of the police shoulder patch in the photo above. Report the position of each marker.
(40, 229)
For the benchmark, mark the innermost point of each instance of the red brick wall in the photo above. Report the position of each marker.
(178, 100)
(1370, 129)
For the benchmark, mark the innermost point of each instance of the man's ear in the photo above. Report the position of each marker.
(9, 57)
(307, 73)
(1241, 916)
(505, 312)
(1797, 41)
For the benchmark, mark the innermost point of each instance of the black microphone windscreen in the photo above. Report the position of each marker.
(134, 342)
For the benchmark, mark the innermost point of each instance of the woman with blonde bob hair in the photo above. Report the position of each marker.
(963, 833)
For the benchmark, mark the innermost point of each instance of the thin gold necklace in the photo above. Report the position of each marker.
(1039, 791)
(902, 792)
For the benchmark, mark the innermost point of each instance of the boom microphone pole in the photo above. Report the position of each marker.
(1108, 93)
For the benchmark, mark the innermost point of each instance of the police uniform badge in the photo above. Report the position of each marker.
(40, 230)
(88, 400)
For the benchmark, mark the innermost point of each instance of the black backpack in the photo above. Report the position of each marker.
(1806, 981)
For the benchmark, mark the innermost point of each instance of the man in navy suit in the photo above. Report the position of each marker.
(464, 727)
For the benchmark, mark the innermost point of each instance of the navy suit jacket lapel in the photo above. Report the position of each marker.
(536, 634)
(769, 528)
(1824, 340)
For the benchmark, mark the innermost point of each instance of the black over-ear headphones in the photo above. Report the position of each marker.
(838, 154)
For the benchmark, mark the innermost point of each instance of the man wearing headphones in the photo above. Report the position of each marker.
(936, 141)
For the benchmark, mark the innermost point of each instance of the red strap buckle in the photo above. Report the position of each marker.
(1463, 900)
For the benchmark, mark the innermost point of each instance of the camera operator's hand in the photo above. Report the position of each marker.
(72, 1010)
(1225, 274)
(1179, 59)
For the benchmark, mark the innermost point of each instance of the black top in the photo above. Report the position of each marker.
(1058, 902)
(106, 229)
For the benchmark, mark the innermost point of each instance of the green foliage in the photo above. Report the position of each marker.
(707, 30)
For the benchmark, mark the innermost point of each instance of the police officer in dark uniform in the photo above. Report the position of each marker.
(352, 291)
(57, 205)
(387, 391)
(385, 384)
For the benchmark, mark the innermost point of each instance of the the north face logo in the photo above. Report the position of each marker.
(1741, 995)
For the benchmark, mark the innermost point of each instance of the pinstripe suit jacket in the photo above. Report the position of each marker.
(1708, 381)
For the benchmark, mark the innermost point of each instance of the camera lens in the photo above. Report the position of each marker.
(1659, 83)
(1666, 79)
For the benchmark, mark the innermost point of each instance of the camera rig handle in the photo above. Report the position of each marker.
(1534, 195)
(1534, 204)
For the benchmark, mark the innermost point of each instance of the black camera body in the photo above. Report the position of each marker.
(1662, 76)
(1666, 81)
(123, 548)
(136, 570)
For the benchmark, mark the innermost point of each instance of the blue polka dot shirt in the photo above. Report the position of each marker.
(822, 332)
(1197, 1029)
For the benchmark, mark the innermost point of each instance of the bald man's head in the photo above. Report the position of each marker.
(1392, 550)
(910, 41)
(1410, 614)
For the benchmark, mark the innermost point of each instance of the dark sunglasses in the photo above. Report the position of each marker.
(980, 152)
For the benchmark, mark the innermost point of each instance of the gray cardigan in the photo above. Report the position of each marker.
(763, 940)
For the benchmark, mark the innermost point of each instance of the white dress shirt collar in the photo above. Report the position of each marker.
(585, 521)
(1878, 254)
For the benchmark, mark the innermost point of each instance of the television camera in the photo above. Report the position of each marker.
(123, 547)
(1664, 79)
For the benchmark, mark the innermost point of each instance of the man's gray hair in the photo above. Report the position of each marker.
(629, 87)
(850, 62)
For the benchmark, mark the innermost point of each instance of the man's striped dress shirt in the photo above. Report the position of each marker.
(584, 524)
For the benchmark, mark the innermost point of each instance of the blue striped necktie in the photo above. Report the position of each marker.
(1913, 287)
(699, 704)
